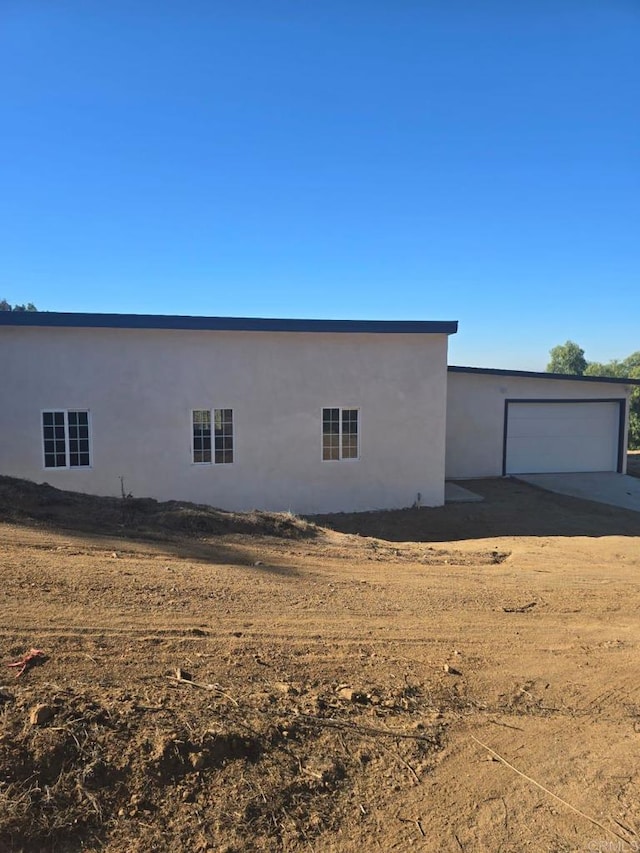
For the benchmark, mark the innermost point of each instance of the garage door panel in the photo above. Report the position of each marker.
(569, 427)
(538, 456)
(546, 437)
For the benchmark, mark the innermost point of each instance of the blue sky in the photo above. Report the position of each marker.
(420, 159)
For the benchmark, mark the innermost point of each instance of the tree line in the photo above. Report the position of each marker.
(569, 358)
(7, 306)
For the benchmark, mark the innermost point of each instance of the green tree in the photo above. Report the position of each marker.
(632, 362)
(628, 368)
(567, 358)
(7, 306)
(634, 413)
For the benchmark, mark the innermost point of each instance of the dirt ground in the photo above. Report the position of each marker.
(456, 679)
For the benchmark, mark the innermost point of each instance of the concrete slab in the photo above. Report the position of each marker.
(453, 493)
(603, 487)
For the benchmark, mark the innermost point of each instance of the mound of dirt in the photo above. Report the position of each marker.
(198, 769)
(24, 501)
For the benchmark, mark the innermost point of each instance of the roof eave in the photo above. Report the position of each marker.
(530, 374)
(54, 319)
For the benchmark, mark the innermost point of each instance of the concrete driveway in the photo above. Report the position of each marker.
(603, 487)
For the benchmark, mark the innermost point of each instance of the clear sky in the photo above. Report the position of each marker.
(476, 160)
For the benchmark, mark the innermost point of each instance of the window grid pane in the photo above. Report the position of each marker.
(349, 433)
(223, 436)
(78, 425)
(202, 436)
(54, 441)
(330, 447)
(331, 421)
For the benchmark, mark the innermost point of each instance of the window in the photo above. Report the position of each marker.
(65, 436)
(221, 451)
(340, 433)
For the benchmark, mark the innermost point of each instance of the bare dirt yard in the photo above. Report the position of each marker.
(456, 679)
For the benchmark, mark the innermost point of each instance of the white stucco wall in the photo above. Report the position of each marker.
(475, 415)
(141, 385)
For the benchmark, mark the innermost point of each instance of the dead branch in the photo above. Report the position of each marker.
(506, 725)
(522, 609)
(215, 688)
(626, 828)
(399, 758)
(550, 793)
(415, 820)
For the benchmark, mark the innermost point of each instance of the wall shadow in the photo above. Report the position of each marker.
(509, 508)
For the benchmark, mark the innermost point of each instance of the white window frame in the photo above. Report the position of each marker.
(67, 447)
(341, 458)
(212, 416)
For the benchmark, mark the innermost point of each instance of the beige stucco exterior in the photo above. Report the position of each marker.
(140, 387)
(476, 410)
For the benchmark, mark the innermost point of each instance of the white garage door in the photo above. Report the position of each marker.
(545, 438)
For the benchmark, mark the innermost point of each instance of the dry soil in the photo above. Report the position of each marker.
(454, 679)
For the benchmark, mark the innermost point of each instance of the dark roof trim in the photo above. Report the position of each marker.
(224, 324)
(530, 374)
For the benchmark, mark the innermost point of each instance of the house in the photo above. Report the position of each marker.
(307, 415)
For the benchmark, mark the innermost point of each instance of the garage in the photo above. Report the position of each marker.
(558, 436)
(502, 422)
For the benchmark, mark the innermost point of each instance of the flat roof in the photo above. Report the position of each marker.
(224, 324)
(531, 374)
